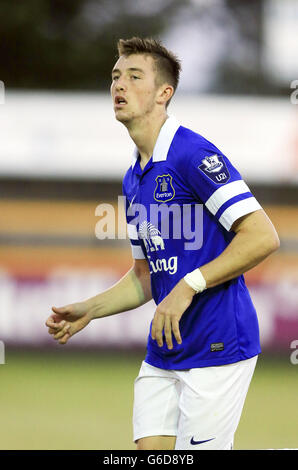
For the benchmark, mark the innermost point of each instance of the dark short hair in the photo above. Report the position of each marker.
(167, 64)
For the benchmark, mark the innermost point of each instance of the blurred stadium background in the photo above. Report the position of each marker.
(62, 154)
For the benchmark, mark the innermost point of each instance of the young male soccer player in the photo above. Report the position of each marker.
(204, 338)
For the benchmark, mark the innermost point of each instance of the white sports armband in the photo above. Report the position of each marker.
(196, 280)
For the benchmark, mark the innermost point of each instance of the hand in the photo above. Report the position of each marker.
(68, 320)
(169, 312)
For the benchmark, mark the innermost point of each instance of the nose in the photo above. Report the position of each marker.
(120, 85)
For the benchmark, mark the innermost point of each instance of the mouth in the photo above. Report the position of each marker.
(120, 101)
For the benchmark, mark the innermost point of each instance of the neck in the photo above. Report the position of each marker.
(144, 133)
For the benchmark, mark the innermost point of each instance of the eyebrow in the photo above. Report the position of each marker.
(131, 69)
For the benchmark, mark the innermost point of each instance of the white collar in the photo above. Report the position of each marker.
(163, 142)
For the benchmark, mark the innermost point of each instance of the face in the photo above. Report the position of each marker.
(133, 88)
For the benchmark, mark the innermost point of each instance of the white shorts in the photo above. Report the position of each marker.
(201, 406)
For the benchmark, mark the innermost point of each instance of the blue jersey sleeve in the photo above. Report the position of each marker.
(216, 182)
(135, 242)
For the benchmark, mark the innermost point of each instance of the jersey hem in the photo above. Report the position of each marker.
(202, 363)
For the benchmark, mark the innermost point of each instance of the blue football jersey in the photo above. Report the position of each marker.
(180, 211)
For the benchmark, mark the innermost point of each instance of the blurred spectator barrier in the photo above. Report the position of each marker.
(25, 303)
(67, 135)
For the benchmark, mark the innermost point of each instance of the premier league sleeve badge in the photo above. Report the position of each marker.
(215, 168)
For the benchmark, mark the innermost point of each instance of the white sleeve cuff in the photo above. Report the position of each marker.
(237, 210)
(137, 252)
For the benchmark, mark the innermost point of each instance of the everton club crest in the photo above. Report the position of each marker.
(164, 190)
(215, 168)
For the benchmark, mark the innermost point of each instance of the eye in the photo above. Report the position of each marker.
(135, 77)
(115, 77)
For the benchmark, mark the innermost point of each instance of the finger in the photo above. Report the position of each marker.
(168, 332)
(55, 325)
(55, 317)
(176, 330)
(159, 324)
(51, 321)
(61, 310)
(62, 332)
(64, 339)
(153, 327)
(55, 329)
(54, 320)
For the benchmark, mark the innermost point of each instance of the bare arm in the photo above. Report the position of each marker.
(132, 291)
(255, 239)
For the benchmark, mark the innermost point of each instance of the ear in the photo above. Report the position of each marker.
(165, 93)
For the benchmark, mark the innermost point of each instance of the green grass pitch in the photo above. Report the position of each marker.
(65, 399)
